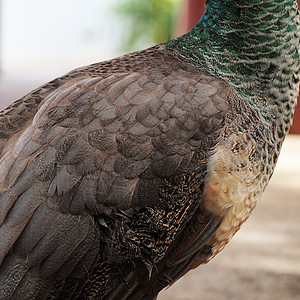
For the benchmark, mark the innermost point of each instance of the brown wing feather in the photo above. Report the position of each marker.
(122, 144)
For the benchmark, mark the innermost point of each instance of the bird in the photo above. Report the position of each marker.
(120, 177)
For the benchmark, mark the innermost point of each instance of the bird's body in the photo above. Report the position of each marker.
(119, 177)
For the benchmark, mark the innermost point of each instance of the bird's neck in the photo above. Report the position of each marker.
(253, 44)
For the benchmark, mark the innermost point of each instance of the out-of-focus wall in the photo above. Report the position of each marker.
(56, 35)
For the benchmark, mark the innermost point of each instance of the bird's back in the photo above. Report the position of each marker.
(102, 170)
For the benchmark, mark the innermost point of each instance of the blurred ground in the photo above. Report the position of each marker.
(262, 261)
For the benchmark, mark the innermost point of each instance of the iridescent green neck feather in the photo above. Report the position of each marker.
(253, 44)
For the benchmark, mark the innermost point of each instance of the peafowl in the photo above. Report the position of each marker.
(118, 178)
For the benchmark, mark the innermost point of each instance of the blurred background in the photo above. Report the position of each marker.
(41, 40)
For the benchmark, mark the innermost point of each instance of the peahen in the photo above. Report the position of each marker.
(120, 177)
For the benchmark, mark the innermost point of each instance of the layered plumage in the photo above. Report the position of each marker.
(119, 177)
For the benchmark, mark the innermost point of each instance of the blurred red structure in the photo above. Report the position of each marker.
(193, 10)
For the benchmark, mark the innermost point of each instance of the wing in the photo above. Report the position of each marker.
(97, 159)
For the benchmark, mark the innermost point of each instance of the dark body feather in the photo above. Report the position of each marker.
(119, 177)
(102, 170)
